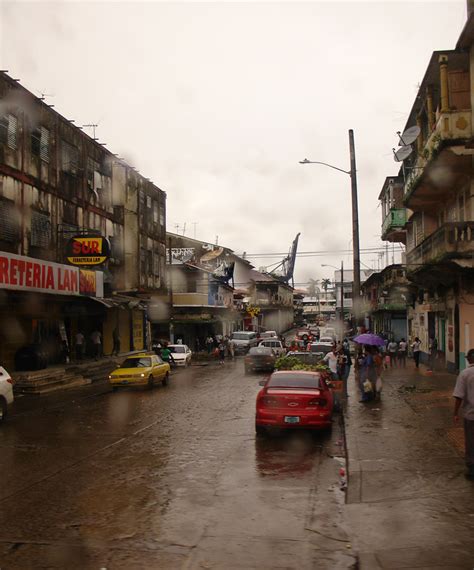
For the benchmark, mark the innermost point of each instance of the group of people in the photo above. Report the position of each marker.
(220, 346)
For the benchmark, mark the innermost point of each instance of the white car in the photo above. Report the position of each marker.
(275, 344)
(326, 340)
(6, 393)
(181, 354)
(268, 334)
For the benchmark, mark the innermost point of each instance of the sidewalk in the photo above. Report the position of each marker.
(408, 503)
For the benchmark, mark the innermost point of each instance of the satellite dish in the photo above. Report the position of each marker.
(409, 136)
(402, 153)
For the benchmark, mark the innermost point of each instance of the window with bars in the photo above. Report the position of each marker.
(9, 131)
(143, 262)
(9, 221)
(40, 229)
(69, 158)
(40, 143)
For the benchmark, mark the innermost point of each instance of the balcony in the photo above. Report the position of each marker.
(393, 224)
(424, 177)
(454, 240)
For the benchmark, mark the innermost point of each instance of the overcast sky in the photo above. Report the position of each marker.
(217, 103)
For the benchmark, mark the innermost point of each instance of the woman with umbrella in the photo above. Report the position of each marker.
(369, 367)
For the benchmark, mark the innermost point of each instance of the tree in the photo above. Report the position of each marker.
(325, 283)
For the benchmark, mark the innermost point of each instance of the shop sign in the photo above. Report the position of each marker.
(87, 250)
(137, 329)
(91, 283)
(22, 273)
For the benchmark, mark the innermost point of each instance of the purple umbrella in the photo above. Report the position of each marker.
(369, 339)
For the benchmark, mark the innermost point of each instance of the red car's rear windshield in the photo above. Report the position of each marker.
(295, 381)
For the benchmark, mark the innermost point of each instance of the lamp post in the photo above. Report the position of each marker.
(342, 295)
(355, 219)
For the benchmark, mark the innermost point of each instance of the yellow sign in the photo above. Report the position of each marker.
(87, 250)
(137, 326)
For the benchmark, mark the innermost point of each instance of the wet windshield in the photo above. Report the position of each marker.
(177, 349)
(294, 381)
(136, 363)
(241, 336)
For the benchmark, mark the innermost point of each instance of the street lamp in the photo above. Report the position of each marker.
(355, 218)
(342, 294)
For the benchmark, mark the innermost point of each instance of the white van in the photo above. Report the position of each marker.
(243, 341)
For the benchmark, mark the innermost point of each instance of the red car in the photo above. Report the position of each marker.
(294, 399)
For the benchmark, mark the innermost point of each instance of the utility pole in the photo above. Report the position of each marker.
(342, 301)
(170, 292)
(355, 229)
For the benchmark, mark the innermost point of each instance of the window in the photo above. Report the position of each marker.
(9, 221)
(69, 158)
(40, 229)
(40, 143)
(9, 131)
(156, 264)
(155, 212)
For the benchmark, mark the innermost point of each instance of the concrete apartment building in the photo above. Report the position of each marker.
(435, 187)
(57, 183)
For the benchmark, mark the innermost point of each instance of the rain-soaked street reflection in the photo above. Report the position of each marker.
(173, 477)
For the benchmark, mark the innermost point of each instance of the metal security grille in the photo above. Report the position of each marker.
(40, 229)
(40, 143)
(69, 158)
(9, 221)
(9, 130)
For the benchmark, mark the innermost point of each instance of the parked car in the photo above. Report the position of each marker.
(260, 359)
(303, 335)
(244, 340)
(320, 347)
(329, 332)
(275, 344)
(143, 369)
(268, 334)
(6, 393)
(326, 340)
(294, 399)
(181, 354)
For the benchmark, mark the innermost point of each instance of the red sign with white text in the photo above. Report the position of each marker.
(27, 274)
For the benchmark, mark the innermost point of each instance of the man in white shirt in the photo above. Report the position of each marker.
(331, 359)
(464, 394)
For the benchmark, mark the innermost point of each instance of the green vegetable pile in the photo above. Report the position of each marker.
(293, 363)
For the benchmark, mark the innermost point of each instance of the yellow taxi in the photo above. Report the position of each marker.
(143, 369)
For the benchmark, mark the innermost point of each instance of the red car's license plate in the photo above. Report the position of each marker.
(292, 419)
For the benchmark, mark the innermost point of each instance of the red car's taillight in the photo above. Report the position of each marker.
(268, 401)
(321, 402)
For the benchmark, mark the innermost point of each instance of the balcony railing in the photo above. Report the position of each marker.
(451, 125)
(395, 219)
(454, 239)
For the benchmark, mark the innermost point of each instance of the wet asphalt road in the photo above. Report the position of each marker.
(169, 478)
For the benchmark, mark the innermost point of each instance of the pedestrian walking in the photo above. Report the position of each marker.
(166, 355)
(209, 344)
(464, 395)
(392, 348)
(416, 348)
(331, 360)
(116, 341)
(232, 349)
(80, 345)
(433, 350)
(221, 348)
(368, 376)
(96, 338)
(402, 353)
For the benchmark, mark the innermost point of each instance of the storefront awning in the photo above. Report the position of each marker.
(121, 301)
